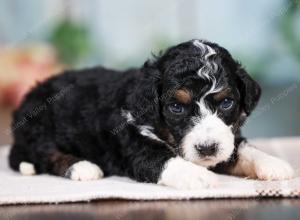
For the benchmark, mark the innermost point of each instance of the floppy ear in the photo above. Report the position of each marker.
(249, 89)
(145, 97)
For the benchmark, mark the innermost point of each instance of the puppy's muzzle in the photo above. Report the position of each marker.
(207, 149)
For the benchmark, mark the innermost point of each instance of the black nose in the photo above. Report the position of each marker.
(207, 150)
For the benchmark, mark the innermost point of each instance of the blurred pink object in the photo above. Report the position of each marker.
(21, 68)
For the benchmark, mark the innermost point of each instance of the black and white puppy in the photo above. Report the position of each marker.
(175, 121)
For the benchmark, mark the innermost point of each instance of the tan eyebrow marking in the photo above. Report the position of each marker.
(183, 95)
(222, 95)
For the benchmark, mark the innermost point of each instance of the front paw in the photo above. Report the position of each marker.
(272, 168)
(185, 175)
(84, 171)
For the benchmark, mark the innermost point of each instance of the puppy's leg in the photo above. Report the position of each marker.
(74, 168)
(254, 163)
(53, 162)
(155, 163)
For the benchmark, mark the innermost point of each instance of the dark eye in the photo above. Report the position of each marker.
(226, 104)
(176, 108)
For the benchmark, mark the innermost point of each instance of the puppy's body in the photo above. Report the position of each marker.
(79, 124)
(169, 122)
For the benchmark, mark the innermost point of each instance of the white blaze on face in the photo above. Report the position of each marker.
(208, 128)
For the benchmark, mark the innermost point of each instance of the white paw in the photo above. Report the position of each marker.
(27, 169)
(185, 175)
(84, 171)
(272, 168)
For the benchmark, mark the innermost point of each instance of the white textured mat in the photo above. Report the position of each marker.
(17, 189)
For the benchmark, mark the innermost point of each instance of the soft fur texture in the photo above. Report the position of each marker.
(181, 110)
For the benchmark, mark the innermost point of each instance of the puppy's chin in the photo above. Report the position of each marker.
(211, 161)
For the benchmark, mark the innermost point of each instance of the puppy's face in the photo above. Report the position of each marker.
(205, 96)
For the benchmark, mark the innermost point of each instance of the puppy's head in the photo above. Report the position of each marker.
(200, 97)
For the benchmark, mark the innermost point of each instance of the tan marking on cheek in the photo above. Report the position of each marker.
(222, 95)
(183, 96)
(167, 136)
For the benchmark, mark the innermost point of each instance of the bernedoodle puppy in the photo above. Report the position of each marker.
(174, 121)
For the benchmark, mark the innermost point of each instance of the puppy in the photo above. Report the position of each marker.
(174, 121)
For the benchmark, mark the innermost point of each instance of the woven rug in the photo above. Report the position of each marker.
(17, 189)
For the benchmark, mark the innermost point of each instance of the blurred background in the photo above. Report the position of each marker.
(41, 38)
